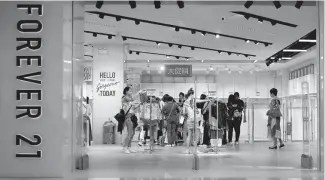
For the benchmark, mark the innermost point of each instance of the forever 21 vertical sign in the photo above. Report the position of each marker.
(30, 44)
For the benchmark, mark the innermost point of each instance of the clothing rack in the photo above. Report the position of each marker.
(214, 149)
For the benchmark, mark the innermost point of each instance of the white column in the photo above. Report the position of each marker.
(108, 83)
(285, 82)
(36, 144)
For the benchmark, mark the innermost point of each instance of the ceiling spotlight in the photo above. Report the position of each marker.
(157, 4)
(179, 46)
(177, 57)
(187, 59)
(247, 41)
(137, 22)
(137, 53)
(294, 50)
(248, 4)
(118, 18)
(180, 4)
(272, 57)
(176, 29)
(266, 44)
(101, 16)
(257, 42)
(229, 72)
(308, 40)
(168, 56)
(158, 43)
(203, 33)
(133, 4)
(202, 61)
(109, 36)
(255, 61)
(246, 17)
(286, 58)
(217, 35)
(277, 4)
(193, 31)
(229, 53)
(273, 23)
(219, 52)
(162, 68)
(148, 61)
(299, 4)
(99, 4)
(246, 55)
(192, 48)
(124, 38)
(210, 68)
(260, 20)
(130, 52)
(94, 34)
(170, 45)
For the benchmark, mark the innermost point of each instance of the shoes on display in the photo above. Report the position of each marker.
(126, 151)
(274, 147)
(281, 146)
(132, 150)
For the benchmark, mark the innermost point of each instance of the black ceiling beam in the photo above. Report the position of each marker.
(295, 45)
(170, 44)
(272, 21)
(102, 14)
(159, 54)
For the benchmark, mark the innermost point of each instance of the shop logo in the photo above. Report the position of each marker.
(107, 84)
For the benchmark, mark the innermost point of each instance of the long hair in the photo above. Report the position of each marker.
(231, 98)
(189, 93)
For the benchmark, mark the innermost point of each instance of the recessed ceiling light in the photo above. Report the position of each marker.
(294, 50)
(287, 58)
(307, 40)
(217, 35)
(202, 61)
(272, 57)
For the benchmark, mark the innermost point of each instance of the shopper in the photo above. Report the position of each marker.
(171, 113)
(181, 99)
(193, 129)
(230, 117)
(129, 106)
(238, 107)
(274, 115)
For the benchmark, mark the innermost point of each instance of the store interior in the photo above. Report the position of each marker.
(232, 47)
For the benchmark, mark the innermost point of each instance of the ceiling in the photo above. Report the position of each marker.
(202, 16)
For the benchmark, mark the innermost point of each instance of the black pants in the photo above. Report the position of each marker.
(234, 124)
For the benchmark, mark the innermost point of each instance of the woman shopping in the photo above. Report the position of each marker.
(171, 112)
(274, 115)
(129, 105)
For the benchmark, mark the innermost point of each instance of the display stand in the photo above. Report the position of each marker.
(151, 142)
(214, 149)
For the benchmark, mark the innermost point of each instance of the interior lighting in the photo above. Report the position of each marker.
(148, 61)
(229, 53)
(247, 41)
(177, 57)
(118, 18)
(133, 4)
(299, 4)
(94, 34)
(176, 29)
(180, 4)
(162, 68)
(229, 72)
(187, 59)
(286, 58)
(137, 53)
(101, 16)
(272, 57)
(99, 4)
(266, 44)
(273, 23)
(202, 61)
(157, 4)
(251, 71)
(308, 40)
(137, 22)
(168, 57)
(217, 35)
(193, 31)
(170, 44)
(179, 46)
(248, 4)
(203, 33)
(260, 20)
(294, 50)
(255, 61)
(158, 43)
(277, 4)
(124, 38)
(109, 36)
(210, 68)
(192, 48)
(240, 71)
(130, 52)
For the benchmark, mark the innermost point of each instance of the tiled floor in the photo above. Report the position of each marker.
(246, 162)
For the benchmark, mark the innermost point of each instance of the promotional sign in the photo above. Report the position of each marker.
(151, 92)
(212, 93)
(177, 70)
(88, 74)
(107, 84)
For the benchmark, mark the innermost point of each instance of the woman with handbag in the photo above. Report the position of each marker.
(171, 112)
(274, 115)
(129, 106)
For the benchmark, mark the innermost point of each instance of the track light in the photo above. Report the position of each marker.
(219, 52)
(180, 4)
(124, 38)
(260, 20)
(187, 59)
(109, 36)
(137, 22)
(299, 4)
(246, 56)
(118, 18)
(277, 4)
(217, 35)
(137, 53)
(193, 31)
(94, 34)
(99, 4)
(170, 44)
(130, 52)
(158, 43)
(101, 16)
(192, 48)
(248, 4)
(203, 33)
(229, 53)
(177, 57)
(257, 42)
(176, 29)
(179, 46)
(266, 45)
(273, 23)
(167, 56)
(246, 17)
(133, 4)
(247, 41)
(157, 4)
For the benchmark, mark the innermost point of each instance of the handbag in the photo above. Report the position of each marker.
(274, 112)
(237, 113)
(165, 124)
(120, 117)
(277, 134)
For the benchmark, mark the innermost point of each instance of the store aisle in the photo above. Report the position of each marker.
(247, 160)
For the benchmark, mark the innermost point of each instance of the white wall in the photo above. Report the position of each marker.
(246, 84)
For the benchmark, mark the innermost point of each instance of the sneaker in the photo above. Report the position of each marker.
(274, 147)
(281, 146)
(236, 143)
(230, 144)
(132, 150)
(140, 143)
(126, 151)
